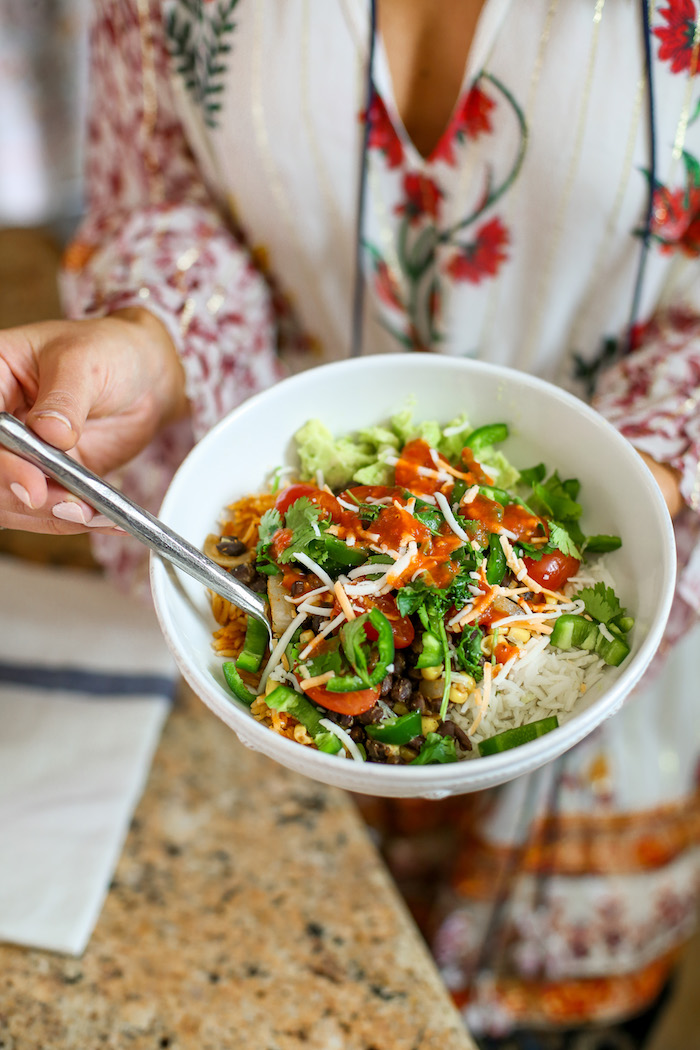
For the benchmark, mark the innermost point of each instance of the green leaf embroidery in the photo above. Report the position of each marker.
(197, 35)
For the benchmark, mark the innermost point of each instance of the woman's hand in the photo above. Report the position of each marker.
(668, 480)
(98, 389)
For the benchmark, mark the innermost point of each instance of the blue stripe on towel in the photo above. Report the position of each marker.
(88, 683)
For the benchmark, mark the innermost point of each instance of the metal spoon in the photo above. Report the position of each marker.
(132, 518)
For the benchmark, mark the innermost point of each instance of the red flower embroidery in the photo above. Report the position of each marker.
(423, 197)
(385, 285)
(678, 35)
(382, 133)
(676, 219)
(470, 120)
(484, 256)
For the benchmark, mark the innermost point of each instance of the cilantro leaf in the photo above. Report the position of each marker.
(553, 497)
(601, 602)
(270, 522)
(561, 539)
(436, 749)
(533, 475)
(302, 519)
(468, 653)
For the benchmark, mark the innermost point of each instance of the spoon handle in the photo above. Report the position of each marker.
(127, 514)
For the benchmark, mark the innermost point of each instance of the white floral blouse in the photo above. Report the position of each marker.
(555, 228)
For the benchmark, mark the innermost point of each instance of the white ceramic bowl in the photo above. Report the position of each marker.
(618, 493)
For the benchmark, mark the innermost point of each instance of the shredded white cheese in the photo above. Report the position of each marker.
(276, 654)
(313, 567)
(345, 738)
(450, 518)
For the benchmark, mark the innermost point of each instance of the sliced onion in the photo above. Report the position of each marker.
(282, 611)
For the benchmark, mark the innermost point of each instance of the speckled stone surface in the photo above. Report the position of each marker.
(249, 911)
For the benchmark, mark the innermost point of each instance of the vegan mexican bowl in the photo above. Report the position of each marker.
(431, 602)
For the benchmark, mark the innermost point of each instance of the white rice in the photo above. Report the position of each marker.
(543, 681)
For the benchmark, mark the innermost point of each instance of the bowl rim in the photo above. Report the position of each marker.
(486, 768)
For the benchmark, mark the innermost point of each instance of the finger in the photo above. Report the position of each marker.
(25, 481)
(64, 398)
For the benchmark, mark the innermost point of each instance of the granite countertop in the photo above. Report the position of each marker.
(249, 910)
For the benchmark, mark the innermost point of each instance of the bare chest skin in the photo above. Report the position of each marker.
(427, 43)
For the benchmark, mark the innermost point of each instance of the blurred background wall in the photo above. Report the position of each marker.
(43, 91)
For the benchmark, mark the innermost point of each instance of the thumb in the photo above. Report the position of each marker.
(63, 400)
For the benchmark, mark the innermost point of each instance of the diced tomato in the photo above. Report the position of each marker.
(401, 626)
(552, 570)
(291, 494)
(344, 703)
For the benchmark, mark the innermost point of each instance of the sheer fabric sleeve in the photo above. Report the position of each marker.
(652, 396)
(153, 236)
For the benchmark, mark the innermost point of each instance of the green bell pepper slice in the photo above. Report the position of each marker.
(341, 554)
(254, 646)
(487, 435)
(236, 684)
(496, 563)
(519, 735)
(358, 649)
(396, 730)
(283, 698)
(431, 655)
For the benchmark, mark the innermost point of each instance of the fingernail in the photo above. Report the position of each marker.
(100, 522)
(22, 495)
(70, 512)
(49, 413)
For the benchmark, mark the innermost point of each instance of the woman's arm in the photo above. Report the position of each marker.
(171, 318)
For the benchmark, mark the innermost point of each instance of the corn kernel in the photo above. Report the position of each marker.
(407, 754)
(306, 636)
(458, 693)
(270, 684)
(518, 635)
(400, 709)
(428, 725)
(487, 645)
(431, 674)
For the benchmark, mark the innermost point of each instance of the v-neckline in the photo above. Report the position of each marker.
(488, 24)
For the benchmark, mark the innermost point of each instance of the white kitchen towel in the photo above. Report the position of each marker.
(86, 682)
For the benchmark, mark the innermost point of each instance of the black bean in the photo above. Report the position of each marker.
(417, 742)
(244, 573)
(298, 588)
(462, 738)
(417, 702)
(316, 623)
(258, 583)
(343, 720)
(399, 663)
(231, 546)
(385, 687)
(375, 751)
(358, 734)
(446, 728)
(401, 690)
(375, 714)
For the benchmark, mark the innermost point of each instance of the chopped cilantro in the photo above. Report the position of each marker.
(468, 653)
(302, 518)
(561, 539)
(436, 749)
(553, 499)
(601, 602)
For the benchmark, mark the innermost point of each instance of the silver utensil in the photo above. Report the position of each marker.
(16, 437)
